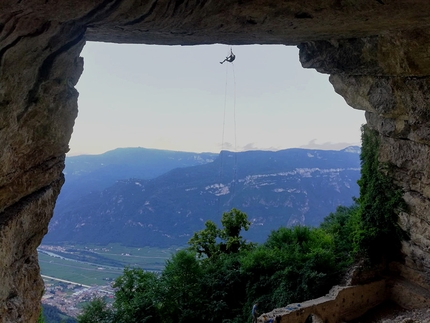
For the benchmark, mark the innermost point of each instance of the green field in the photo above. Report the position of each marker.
(97, 265)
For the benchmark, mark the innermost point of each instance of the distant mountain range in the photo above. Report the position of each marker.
(140, 197)
(90, 173)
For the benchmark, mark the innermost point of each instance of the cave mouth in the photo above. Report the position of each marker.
(39, 56)
(116, 76)
(162, 96)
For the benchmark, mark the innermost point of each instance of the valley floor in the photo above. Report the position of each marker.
(74, 275)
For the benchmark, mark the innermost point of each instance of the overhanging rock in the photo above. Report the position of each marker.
(376, 51)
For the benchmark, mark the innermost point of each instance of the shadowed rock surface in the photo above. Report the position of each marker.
(377, 52)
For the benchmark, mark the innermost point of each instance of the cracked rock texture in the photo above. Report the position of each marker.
(393, 90)
(377, 52)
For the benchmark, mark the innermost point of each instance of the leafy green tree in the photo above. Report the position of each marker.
(96, 312)
(204, 242)
(137, 297)
(213, 241)
(343, 225)
(293, 265)
(233, 223)
(181, 291)
(221, 275)
(223, 288)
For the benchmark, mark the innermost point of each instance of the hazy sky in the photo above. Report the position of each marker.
(181, 98)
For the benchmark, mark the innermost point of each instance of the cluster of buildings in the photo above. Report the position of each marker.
(69, 298)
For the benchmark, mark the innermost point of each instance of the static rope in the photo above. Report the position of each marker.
(223, 123)
(235, 137)
(221, 172)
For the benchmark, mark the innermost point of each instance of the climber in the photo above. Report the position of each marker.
(230, 58)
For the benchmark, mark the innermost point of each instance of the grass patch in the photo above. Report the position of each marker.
(98, 265)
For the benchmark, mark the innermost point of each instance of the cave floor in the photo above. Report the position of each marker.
(389, 312)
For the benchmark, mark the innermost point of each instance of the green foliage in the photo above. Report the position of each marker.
(51, 314)
(233, 222)
(380, 202)
(343, 226)
(136, 298)
(41, 318)
(180, 283)
(221, 275)
(204, 242)
(293, 265)
(223, 288)
(96, 312)
(213, 241)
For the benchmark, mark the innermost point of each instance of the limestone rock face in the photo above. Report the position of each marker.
(393, 90)
(376, 50)
(23, 226)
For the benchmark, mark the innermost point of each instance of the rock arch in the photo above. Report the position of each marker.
(375, 50)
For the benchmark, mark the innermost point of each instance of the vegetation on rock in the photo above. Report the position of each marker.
(378, 235)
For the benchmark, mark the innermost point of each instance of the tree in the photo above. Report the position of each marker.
(233, 222)
(96, 312)
(213, 241)
(204, 242)
(293, 265)
(223, 289)
(137, 297)
(181, 289)
(343, 225)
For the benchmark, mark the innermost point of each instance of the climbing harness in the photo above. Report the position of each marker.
(229, 58)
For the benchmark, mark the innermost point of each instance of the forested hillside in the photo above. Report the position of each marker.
(283, 188)
(94, 173)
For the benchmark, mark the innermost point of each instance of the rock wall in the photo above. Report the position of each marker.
(388, 77)
(38, 106)
(347, 303)
(341, 304)
(376, 50)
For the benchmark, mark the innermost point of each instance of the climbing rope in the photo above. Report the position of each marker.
(225, 105)
(235, 135)
(229, 59)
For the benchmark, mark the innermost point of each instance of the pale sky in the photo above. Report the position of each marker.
(174, 98)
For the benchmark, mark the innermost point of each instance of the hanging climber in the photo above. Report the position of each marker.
(230, 58)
